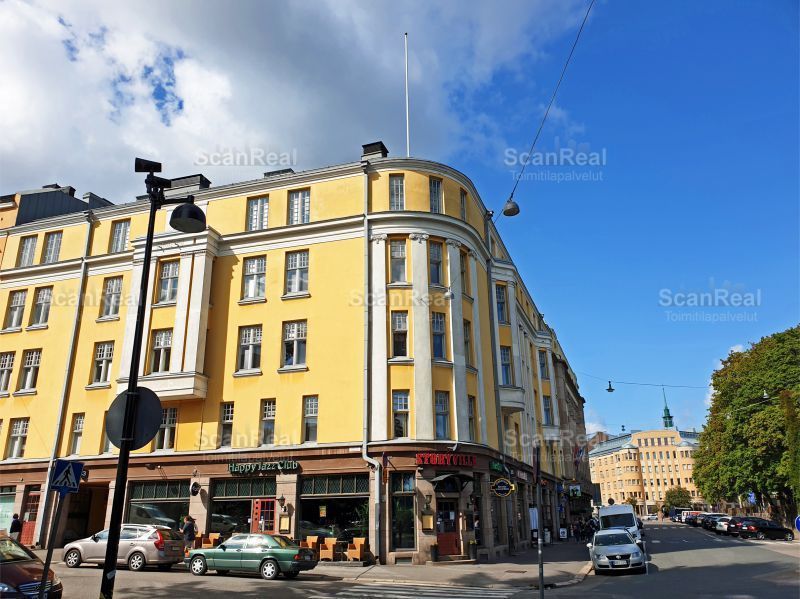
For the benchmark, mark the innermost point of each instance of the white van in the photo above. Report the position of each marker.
(616, 516)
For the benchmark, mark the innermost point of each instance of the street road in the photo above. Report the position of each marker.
(683, 562)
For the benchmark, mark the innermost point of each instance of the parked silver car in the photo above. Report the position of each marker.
(139, 545)
(615, 549)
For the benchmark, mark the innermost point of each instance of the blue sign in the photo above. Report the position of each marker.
(751, 498)
(66, 476)
(797, 523)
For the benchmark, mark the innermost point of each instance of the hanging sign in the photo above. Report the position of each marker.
(502, 487)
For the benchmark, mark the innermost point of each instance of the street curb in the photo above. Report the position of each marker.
(582, 573)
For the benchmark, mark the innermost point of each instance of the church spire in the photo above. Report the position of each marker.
(667, 417)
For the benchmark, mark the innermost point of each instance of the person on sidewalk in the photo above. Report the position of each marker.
(16, 527)
(189, 531)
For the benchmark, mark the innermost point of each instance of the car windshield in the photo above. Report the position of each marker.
(613, 539)
(283, 541)
(12, 552)
(614, 520)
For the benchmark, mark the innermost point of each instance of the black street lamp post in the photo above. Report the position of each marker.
(186, 218)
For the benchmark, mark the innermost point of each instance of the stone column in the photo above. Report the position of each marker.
(286, 486)
(421, 317)
(197, 312)
(379, 369)
(461, 405)
(200, 504)
(476, 336)
(186, 280)
(553, 389)
(515, 344)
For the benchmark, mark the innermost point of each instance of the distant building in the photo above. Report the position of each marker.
(644, 465)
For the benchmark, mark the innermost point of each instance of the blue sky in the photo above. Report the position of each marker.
(694, 104)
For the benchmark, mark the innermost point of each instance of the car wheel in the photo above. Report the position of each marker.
(222, 572)
(136, 562)
(761, 536)
(198, 565)
(291, 574)
(72, 558)
(789, 537)
(164, 567)
(269, 569)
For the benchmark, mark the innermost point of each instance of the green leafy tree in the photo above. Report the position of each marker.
(632, 501)
(750, 443)
(677, 497)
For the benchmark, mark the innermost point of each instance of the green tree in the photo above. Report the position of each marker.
(677, 497)
(751, 443)
(632, 501)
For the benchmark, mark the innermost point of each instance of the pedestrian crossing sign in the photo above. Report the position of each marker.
(66, 476)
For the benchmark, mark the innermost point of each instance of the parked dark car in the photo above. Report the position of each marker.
(765, 530)
(710, 521)
(694, 519)
(21, 572)
(735, 524)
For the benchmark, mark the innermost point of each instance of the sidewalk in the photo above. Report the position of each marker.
(564, 563)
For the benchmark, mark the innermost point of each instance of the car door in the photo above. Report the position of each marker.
(774, 531)
(127, 541)
(229, 553)
(255, 550)
(94, 549)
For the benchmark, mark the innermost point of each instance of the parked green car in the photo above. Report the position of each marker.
(269, 555)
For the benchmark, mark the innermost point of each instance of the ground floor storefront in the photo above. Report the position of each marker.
(425, 502)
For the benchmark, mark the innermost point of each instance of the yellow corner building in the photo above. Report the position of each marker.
(343, 352)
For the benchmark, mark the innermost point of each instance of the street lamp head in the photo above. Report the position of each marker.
(511, 208)
(188, 218)
(142, 165)
(610, 388)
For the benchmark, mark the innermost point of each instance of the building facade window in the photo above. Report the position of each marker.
(472, 409)
(120, 232)
(310, 413)
(397, 249)
(41, 306)
(162, 350)
(249, 348)
(543, 370)
(165, 437)
(297, 272)
(257, 213)
(31, 360)
(294, 343)
(112, 293)
(437, 335)
(547, 408)
(268, 412)
(16, 309)
(6, 367)
(52, 247)
(226, 424)
(464, 271)
(506, 372)
(463, 204)
(435, 188)
(255, 278)
(27, 251)
(106, 444)
(18, 437)
(400, 414)
(299, 206)
(399, 334)
(76, 435)
(397, 192)
(435, 261)
(442, 414)
(168, 282)
(468, 343)
(501, 300)
(403, 512)
(103, 355)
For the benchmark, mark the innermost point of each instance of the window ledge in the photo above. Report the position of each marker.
(105, 385)
(468, 297)
(165, 304)
(471, 368)
(437, 287)
(36, 327)
(24, 392)
(295, 295)
(401, 360)
(248, 372)
(107, 319)
(513, 387)
(252, 300)
(442, 362)
(504, 323)
(298, 368)
(399, 285)
(10, 330)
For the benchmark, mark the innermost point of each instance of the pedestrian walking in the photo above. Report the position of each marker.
(16, 527)
(189, 533)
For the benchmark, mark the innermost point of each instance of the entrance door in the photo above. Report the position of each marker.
(30, 512)
(447, 536)
(263, 516)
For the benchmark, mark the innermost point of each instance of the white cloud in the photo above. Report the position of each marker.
(321, 78)
(717, 365)
(594, 422)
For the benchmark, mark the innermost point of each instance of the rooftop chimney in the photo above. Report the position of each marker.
(374, 150)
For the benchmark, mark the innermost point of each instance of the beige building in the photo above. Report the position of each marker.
(644, 465)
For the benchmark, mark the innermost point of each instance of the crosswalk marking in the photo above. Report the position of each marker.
(416, 591)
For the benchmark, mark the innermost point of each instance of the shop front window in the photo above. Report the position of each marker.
(334, 506)
(232, 503)
(403, 518)
(164, 503)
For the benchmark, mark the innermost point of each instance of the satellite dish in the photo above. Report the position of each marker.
(147, 423)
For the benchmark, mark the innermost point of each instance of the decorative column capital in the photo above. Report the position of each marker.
(379, 237)
(418, 237)
(453, 243)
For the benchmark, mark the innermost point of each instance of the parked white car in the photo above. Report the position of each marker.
(721, 527)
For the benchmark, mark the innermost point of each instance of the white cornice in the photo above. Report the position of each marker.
(39, 273)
